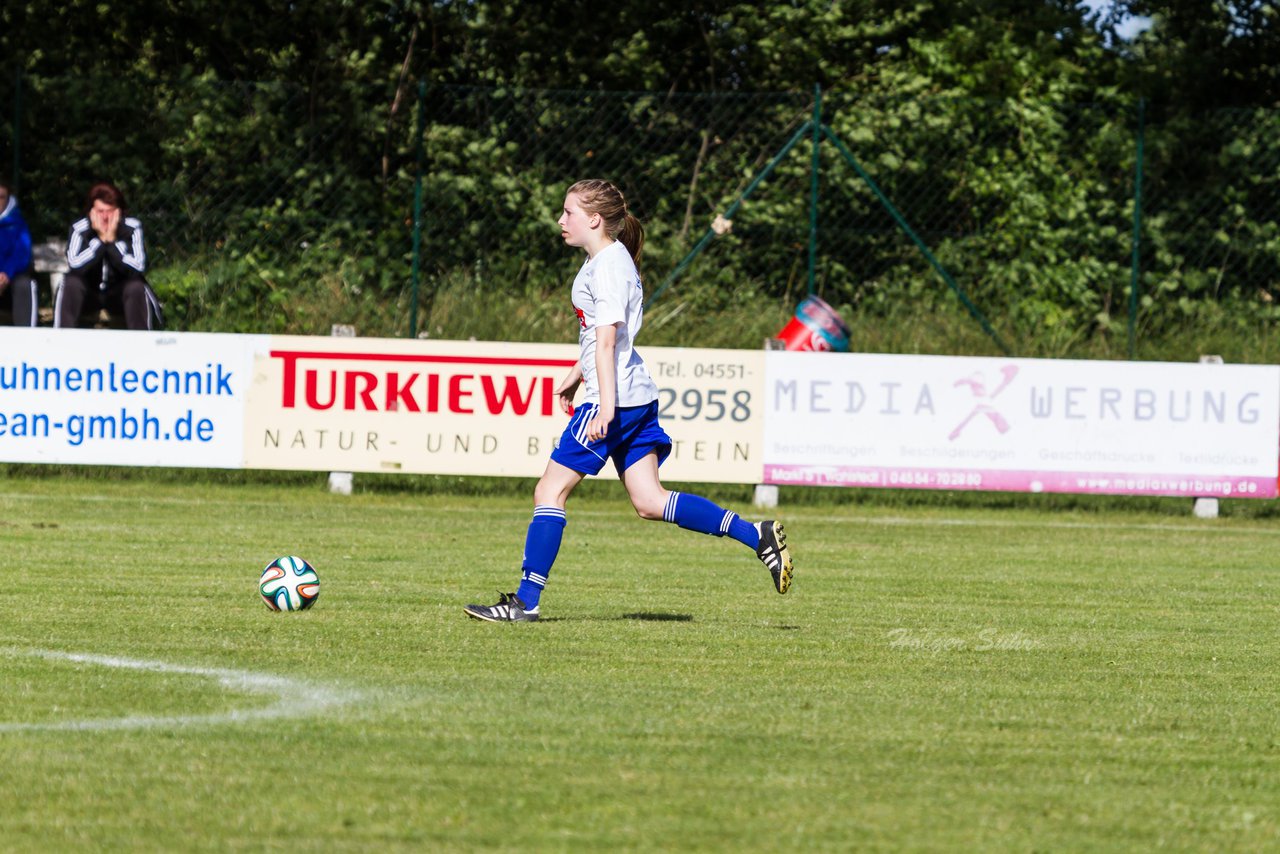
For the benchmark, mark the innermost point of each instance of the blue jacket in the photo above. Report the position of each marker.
(15, 241)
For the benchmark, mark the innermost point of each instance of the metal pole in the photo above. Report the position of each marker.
(17, 131)
(1137, 231)
(417, 209)
(728, 214)
(813, 188)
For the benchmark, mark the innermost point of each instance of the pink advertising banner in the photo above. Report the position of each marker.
(932, 422)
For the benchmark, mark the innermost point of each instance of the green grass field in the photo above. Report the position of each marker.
(939, 678)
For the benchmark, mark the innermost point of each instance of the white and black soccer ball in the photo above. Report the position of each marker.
(289, 584)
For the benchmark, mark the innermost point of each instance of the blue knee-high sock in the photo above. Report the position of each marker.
(541, 545)
(695, 513)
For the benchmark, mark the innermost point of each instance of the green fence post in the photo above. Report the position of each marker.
(1137, 231)
(17, 131)
(417, 209)
(813, 188)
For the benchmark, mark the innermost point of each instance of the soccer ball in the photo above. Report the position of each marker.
(289, 584)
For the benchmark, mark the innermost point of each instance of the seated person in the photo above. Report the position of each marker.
(17, 285)
(107, 260)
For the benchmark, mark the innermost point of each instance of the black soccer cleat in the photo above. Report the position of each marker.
(508, 610)
(774, 554)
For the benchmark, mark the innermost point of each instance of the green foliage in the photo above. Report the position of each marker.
(272, 154)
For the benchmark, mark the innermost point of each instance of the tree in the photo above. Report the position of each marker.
(1203, 54)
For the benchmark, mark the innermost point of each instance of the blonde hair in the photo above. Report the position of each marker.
(601, 197)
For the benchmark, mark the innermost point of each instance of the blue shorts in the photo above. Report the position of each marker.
(633, 433)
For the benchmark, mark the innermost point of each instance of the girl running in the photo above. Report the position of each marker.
(618, 418)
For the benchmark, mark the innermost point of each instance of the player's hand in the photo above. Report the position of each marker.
(598, 426)
(4, 281)
(565, 396)
(111, 225)
(567, 389)
(104, 223)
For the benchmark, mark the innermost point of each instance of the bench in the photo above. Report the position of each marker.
(50, 257)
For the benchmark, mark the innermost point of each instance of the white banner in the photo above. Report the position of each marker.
(480, 407)
(1022, 424)
(735, 416)
(112, 397)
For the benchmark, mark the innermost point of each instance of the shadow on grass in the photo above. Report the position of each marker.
(659, 617)
(642, 616)
(654, 617)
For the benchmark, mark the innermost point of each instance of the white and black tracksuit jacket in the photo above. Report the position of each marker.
(107, 264)
(110, 265)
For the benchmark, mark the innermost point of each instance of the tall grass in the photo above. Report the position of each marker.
(489, 305)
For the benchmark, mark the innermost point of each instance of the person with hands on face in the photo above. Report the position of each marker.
(618, 418)
(17, 285)
(107, 258)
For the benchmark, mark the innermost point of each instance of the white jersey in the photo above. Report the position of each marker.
(607, 291)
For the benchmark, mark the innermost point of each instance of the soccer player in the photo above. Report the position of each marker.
(618, 419)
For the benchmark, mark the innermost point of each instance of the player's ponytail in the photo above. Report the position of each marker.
(603, 198)
(631, 235)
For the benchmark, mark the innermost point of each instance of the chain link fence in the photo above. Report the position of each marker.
(271, 207)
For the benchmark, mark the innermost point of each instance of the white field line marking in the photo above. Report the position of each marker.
(293, 698)
(927, 522)
(799, 514)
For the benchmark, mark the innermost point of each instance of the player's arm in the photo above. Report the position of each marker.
(607, 378)
(84, 249)
(568, 388)
(128, 248)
